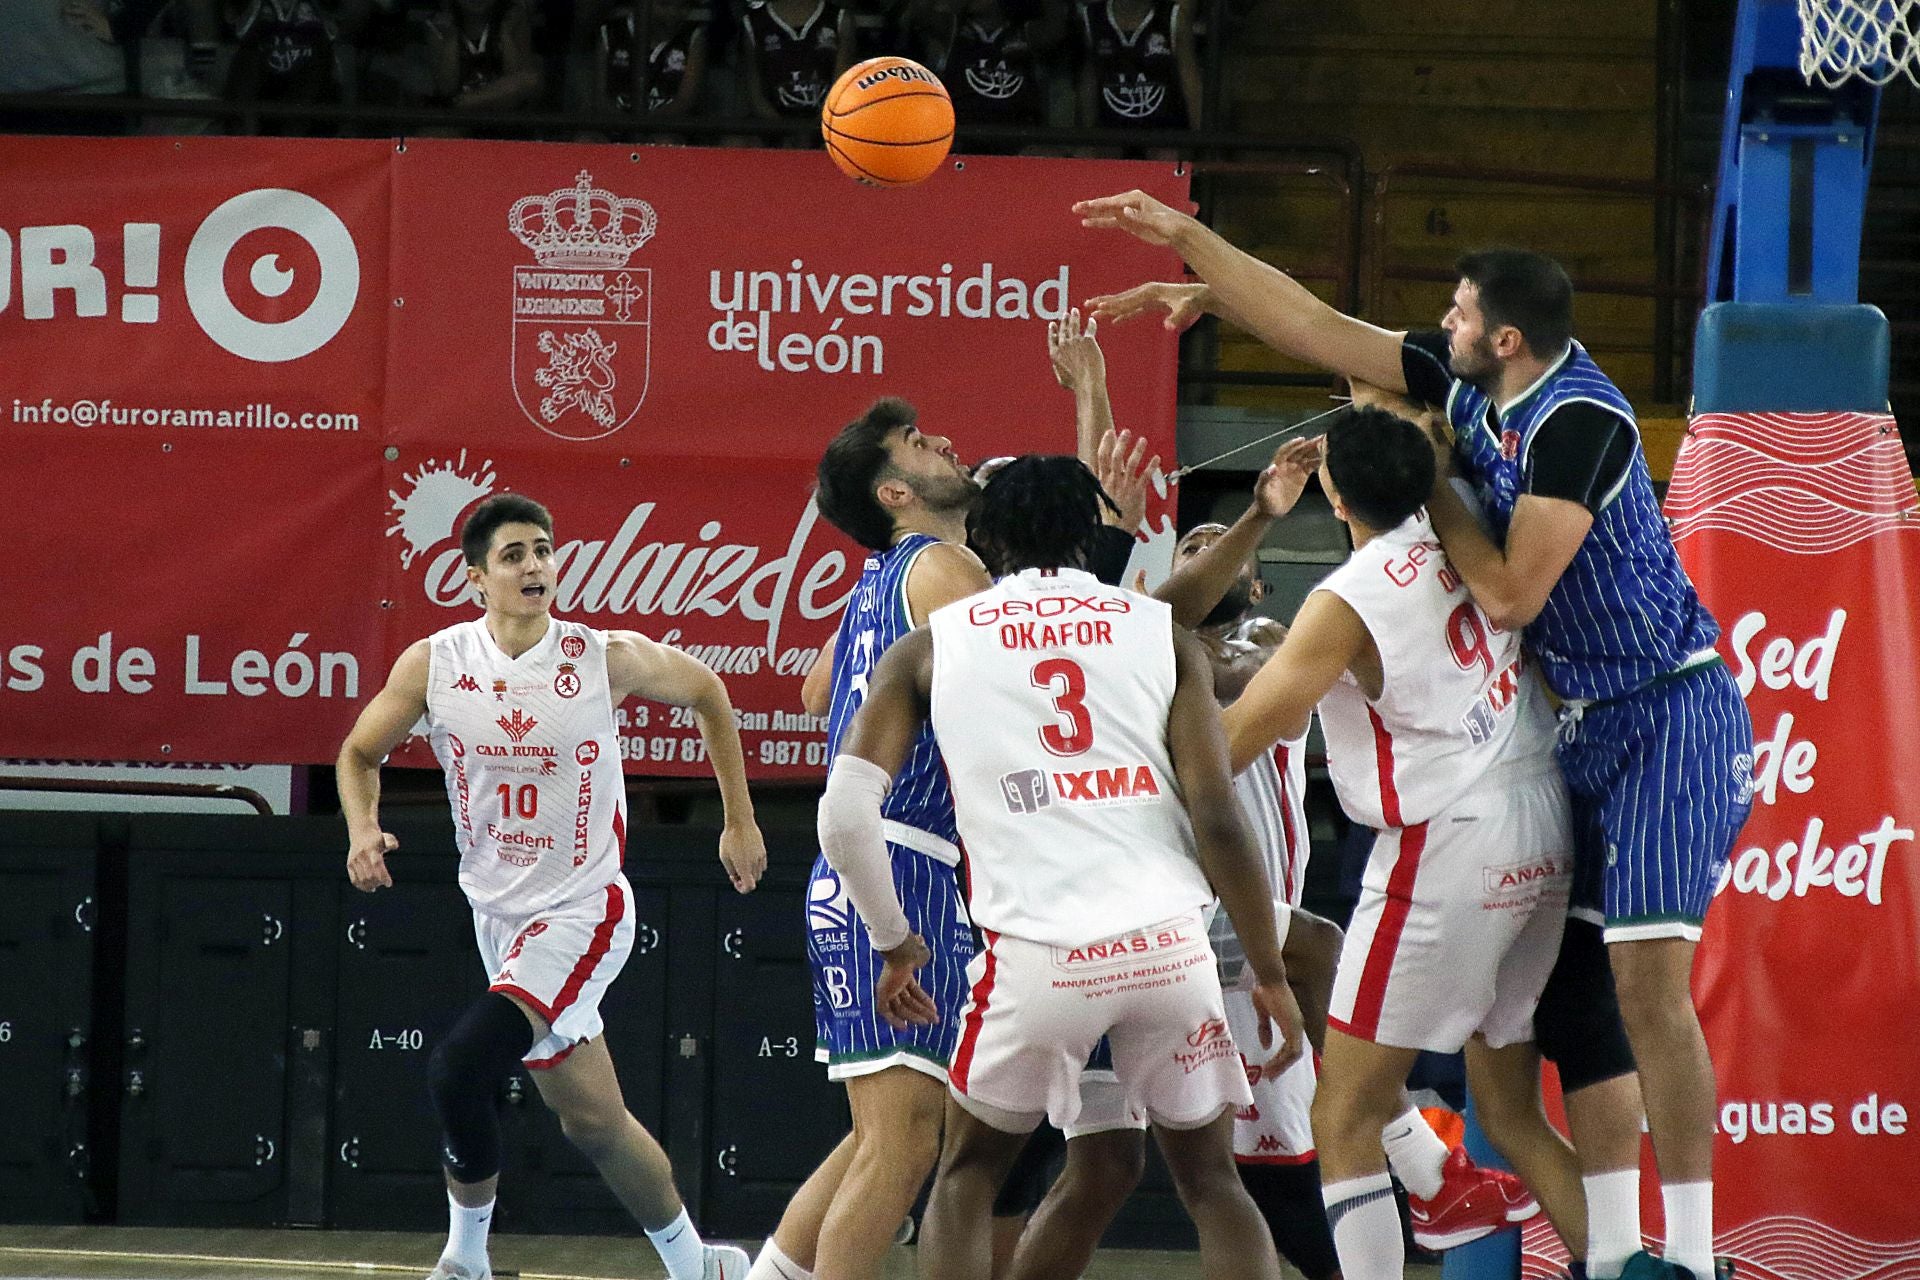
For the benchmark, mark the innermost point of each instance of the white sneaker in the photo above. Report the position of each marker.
(448, 1269)
(723, 1262)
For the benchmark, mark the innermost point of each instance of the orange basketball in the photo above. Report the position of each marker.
(888, 122)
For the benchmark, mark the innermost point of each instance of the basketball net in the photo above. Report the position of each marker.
(1872, 40)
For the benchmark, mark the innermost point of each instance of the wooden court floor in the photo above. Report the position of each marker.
(167, 1253)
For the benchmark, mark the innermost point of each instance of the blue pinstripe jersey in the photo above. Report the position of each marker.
(1624, 612)
(876, 616)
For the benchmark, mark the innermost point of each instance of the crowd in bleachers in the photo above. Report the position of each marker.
(1043, 63)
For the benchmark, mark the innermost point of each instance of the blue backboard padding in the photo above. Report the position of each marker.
(1751, 357)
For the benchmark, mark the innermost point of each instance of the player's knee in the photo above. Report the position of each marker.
(482, 1048)
(1344, 1109)
(1103, 1169)
(463, 1076)
(597, 1132)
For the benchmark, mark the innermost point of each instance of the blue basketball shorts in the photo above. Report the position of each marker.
(1661, 782)
(850, 1036)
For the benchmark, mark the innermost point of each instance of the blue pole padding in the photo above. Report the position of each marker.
(1497, 1257)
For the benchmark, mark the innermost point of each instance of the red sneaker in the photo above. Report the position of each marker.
(1472, 1203)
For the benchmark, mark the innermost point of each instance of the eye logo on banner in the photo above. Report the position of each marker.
(582, 318)
(333, 299)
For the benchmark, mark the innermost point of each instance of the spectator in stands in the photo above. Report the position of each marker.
(1138, 68)
(792, 52)
(483, 56)
(884, 27)
(287, 52)
(988, 53)
(672, 75)
(58, 46)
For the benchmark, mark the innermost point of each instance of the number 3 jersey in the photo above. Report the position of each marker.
(1455, 701)
(532, 763)
(1050, 700)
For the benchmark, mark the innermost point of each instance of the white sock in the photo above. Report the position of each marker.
(1613, 1221)
(1415, 1153)
(680, 1247)
(772, 1264)
(467, 1234)
(1689, 1208)
(1366, 1227)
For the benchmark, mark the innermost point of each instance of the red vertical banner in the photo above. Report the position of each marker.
(1803, 535)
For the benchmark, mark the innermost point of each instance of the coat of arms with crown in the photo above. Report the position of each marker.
(582, 317)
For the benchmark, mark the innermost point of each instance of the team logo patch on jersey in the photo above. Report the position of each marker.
(458, 747)
(582, 317)
(1025, 791)
(1509, 445)
(567, 683)
(586, 753)
(499, 690)
(518, 725)
(573, 646)
(466, 683)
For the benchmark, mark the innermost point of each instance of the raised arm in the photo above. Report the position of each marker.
(1081, 367)
(640, 668)
(851, 834)
(383, 722)
(1226, 848)
(1327, 637)
(1193, 588)
(1263, 300)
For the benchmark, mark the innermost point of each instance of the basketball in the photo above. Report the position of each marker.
(888, 122)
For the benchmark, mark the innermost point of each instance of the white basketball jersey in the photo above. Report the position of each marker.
(1272, 795)
(532, 765)
(1050, 700)
(1455, 702)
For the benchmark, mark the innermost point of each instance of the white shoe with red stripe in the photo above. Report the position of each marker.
(1472, 1203)
(725, 1262)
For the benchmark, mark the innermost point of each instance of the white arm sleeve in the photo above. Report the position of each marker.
(856, 846)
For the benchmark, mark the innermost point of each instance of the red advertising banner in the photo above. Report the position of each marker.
(1803, 535)
(254, 386)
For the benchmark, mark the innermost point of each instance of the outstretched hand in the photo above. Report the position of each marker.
(1122, 467)
(1136, 212)
(1078, 362)
(1184, 303)
(1285, 478)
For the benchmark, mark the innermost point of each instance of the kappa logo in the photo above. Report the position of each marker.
(1268, 1145)
(573, 646)
(466, 684)
(518, 726)
(567, 683)
(582, 318)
